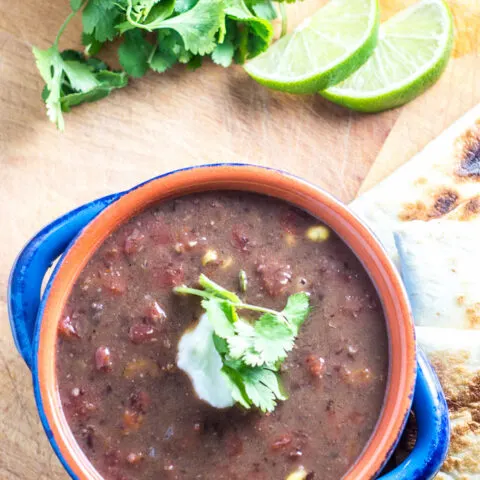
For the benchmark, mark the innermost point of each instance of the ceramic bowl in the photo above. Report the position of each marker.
(76, 235)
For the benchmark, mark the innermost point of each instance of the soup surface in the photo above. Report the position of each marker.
(135, 414)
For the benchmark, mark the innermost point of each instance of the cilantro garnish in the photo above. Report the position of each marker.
(251, 351)
(156, 35)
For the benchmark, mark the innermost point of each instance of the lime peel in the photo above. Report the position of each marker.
(400, 46)
(322, 51)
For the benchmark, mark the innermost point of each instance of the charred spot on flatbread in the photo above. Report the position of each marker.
(467, 210)
(462, 391)
(461, 387)
(444, 201)
(473, 317)
(469, 147)
(471, 208)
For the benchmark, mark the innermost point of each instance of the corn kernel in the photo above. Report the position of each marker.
(319, 233)
(290, 239)
(299, 474)
(209, 257)
(227, 263)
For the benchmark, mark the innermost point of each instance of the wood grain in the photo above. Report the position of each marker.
(158, 123)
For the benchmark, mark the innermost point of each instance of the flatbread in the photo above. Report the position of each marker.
(440, 264)
(443, 180)
(455, 355)
(430, 209)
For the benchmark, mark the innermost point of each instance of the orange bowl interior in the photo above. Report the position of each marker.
(402, 353)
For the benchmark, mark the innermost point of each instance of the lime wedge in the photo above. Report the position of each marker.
(413, 50)
(322, 51)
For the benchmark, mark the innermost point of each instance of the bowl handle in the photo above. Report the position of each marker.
(431, 414)
(30, 267)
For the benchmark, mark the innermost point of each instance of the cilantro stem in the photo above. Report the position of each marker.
(192, 291)
(283, 14)
(63, 27)
(240, 306)
(65, 23)
(255, 308)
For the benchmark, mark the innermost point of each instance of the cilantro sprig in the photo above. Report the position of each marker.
(252, 351)
(155, 35)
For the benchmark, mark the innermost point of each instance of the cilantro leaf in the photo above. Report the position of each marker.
(197, 27)
(70, 80)
(92, 46)
(145, 11)
(263, 387)
(266, 342)
(99, 19)
(134, 53)
(255, 386)
(223, 53)
(297, 309)
(169, 50)
(76, 5)
(50, 65)
(182, 6)
(237, 387)
(108, 81)
(253, 34)
(251, 351)
(149, 10)
(263, 9)
(273, 340)
(219, 318)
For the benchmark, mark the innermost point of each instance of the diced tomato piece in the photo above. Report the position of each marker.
(134, 243)
(316, 365)
(140, 401)
(169, 276)
(132, 421)
(142, 333)
(275, 277)
(282, 442)
(103, 359)
(82, 406)
(154, 313)
(134, 458)
(240, 238)
(67, 329)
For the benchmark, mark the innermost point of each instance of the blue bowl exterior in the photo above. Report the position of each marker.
(423, 465)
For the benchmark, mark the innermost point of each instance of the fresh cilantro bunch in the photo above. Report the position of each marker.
(154, 34)
(251, 351)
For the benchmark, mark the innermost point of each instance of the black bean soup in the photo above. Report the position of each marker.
(135, 414)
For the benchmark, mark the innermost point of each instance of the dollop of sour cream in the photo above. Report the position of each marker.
(199, 359)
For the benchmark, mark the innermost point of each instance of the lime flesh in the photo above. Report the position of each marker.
(413, 50)
(322, 51)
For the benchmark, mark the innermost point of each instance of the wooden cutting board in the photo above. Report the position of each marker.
(167, 121)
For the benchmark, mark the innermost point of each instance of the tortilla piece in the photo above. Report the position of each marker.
(442, 180)
(455, 355)
(440, 264)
